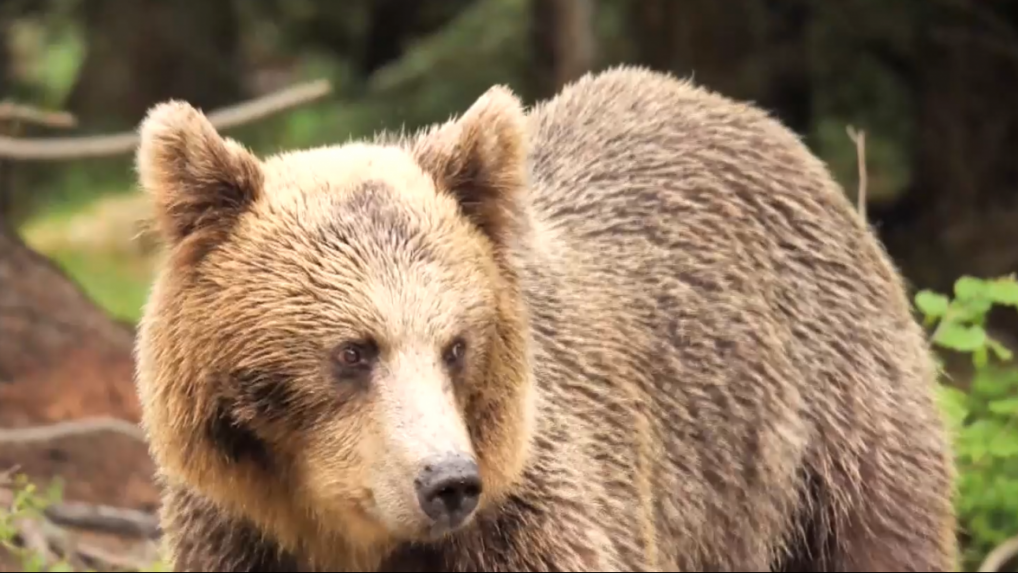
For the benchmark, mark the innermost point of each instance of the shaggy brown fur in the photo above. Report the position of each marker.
(684, 351)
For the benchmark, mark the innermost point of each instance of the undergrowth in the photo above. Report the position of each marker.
(983, 416)
(28, 504)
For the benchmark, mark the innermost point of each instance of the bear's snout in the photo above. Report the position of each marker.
(448, 489)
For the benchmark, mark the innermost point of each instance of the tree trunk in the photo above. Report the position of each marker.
(563, 42)
(144, 51)
(958, 216)
(390, 25)
(788, 85)
(6, 85)
(62, 358)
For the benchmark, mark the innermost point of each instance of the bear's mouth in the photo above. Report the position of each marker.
(426, 531)
(442, 529)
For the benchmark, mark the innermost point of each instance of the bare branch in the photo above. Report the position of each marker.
(84, 147)
(1000, 556)
(119, 521)
(6, 476)
(45, 539)
(102, 518)
(34, 538)
(859, 138)
(13, 112)
(73, 428)
(107, 560)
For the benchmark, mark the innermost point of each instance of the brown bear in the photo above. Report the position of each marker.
(636, 327)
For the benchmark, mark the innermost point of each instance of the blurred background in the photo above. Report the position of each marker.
(931, 84)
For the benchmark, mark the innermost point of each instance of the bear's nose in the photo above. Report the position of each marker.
(448, 489)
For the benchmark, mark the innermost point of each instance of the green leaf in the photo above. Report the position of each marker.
(959, 337)
(1003, 353)
(980, 358)
(970, 310)
(1006, 407)
(1004, 291)
(931, 304)
(975, 439)
(7, 530)
(1004, 445)
(61, 567)
(968, 288)
(33, 563)
(991, 383)
(982, 527)
(977, 451)
(954, 404)
(54, 492)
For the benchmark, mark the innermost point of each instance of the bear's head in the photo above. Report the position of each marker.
(336, 340)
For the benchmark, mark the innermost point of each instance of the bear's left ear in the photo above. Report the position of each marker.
(481, 159)
(199, 181)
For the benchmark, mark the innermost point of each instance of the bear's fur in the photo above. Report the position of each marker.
(683, 348)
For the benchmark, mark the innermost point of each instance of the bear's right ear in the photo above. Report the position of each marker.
(480, 159)
(199, 181)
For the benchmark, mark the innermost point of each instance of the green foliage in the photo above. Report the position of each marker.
(59, 48)
(29, 503)
(983, 417)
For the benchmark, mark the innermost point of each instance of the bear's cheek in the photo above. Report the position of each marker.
(335, 483)
(333, 469)
(501, 420)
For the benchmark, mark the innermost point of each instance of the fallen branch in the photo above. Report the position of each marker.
(34, 539)
(98, 557)
(119, 521)
(84, 147)
(102, 518)
(73, 428)
(17, 113)
(859, 139)
(1000, 556)
(50, 543)
(7, 475)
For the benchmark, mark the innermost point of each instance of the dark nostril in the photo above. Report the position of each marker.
(448, 490)
(455, 495)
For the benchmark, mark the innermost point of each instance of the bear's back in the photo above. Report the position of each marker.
(705, 307)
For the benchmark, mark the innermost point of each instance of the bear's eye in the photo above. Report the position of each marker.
(356, 354)
(453, 355)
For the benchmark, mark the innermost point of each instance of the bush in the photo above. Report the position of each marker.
(29, 504)
(984, 416)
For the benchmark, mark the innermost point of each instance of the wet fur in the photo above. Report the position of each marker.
(697, 356)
